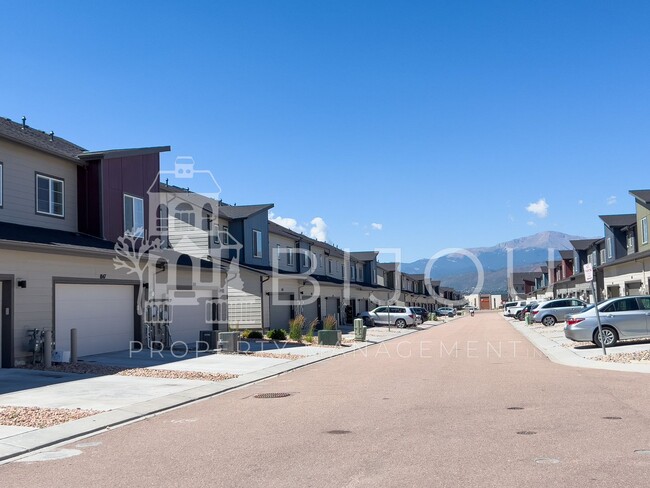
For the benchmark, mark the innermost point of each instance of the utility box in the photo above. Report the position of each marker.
(228, 341)
(359, 330)
(207, 340)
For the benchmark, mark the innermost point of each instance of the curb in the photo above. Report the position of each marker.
(29, 442)
(566, 357)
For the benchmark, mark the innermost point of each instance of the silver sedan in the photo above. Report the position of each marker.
(621, 318)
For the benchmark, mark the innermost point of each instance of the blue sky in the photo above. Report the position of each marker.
(439, 122)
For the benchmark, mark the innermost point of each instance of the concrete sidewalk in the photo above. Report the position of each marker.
(122, 399)
(552, 342)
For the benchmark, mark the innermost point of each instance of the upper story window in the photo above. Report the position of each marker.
(644, 230)
(289, 256)
(1, 184)
(360, 274)
(610, 250)
(185, 213)
(602, 256)
(49, 195)
(353, 272)
(630, 240)
(133, 216)
(257, 244)
(329, 262)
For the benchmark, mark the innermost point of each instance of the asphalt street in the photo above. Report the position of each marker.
(467, 403)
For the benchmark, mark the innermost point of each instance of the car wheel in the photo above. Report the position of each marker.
(611, 336)
(450, 314)
(400, 323)
(549, 321)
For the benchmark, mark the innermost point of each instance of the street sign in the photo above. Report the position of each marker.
(589, 272)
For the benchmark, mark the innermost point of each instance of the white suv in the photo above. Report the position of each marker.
(399, 316)
(510, 309)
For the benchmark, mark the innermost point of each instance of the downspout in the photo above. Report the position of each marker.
(262, 281)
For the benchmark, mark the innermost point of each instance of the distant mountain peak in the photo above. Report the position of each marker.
(542, 240)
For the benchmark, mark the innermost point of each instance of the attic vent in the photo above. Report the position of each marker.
(24, 122)
(51, 135)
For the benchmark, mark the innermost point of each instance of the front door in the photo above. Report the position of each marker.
(6, 323)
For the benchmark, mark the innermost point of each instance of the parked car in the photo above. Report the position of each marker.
(553, 311)
(399, 316)
(521, 315)
(511, 308)
(621, 318)
(422, 313)
(368, 321)
(446, 312)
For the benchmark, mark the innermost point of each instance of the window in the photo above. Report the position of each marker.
(352, 272)
(329, 262)
(226, 235)
(360, 274)
(602, 256)
(49, 196)
(257, 244)
(610, 251)
(644, 230)
(133, 216)
(1, 179)
(289, 256)
(624, 305)
(185, 213)
(278, 252)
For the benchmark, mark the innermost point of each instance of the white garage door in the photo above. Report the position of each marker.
(102, 315)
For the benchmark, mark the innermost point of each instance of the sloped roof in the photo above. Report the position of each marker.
(364, 255)
(39, 140)
(123, 153)
(620, 220)
(642, 195)
(582, 244)
(388, 266)
(566, 254)
(54, 237)
(234, 212)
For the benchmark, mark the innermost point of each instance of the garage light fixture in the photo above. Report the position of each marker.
(21, 283)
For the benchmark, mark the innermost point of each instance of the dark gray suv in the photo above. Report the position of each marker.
(549, 313)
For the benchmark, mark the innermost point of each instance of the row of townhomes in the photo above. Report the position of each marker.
(101, 242)
(621, 261)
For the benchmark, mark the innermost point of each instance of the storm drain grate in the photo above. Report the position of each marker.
(613, 418)
(339, 432)
(547, 461)
(272, 395)
(515, 408)
(526, 432)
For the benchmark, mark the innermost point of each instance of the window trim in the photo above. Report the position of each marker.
(644, 230)
(129, 231)
(50, 178)
(290, 260)
(2, 184)
(610, 247)
(257, 246)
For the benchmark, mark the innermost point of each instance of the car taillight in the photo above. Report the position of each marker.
(535, 312)
(573, 321)
(412, 316)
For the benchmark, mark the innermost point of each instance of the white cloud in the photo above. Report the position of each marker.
(580, 202)
(287, 222)
(356, 224)
(611, 200)
(318, 230)
(377, 226)
(531, 223)
(539, 208)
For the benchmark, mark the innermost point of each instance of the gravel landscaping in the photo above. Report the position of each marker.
(626, 357)
(100, 370)
(40, 418)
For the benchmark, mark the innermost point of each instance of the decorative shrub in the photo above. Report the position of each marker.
(329, 323)
(255, 334)
(245, 334)
(277, 335)
(310, 333)
(295, 327)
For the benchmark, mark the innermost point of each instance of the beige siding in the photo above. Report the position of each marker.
(19, 167)
(33, 305)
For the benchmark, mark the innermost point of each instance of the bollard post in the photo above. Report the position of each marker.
(47, 348)
(73, 345)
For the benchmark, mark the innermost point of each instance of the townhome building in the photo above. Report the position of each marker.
(62, 210)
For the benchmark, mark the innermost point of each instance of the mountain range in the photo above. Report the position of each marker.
(528, 253)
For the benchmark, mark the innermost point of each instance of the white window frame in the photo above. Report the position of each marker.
(257, 243)
(135, 231)
(278, 253)
(353, 274)
(226, 235)
(644, 230)
(290, 261)
(1, 184)
(51, 180)
(602, 256)
(610, 250)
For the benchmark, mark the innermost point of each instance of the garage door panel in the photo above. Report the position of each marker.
(102, 314)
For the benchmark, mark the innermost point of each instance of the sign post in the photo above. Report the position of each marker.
(589, 277)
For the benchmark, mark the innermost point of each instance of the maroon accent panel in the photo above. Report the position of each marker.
(133, 175)
(89, 199)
